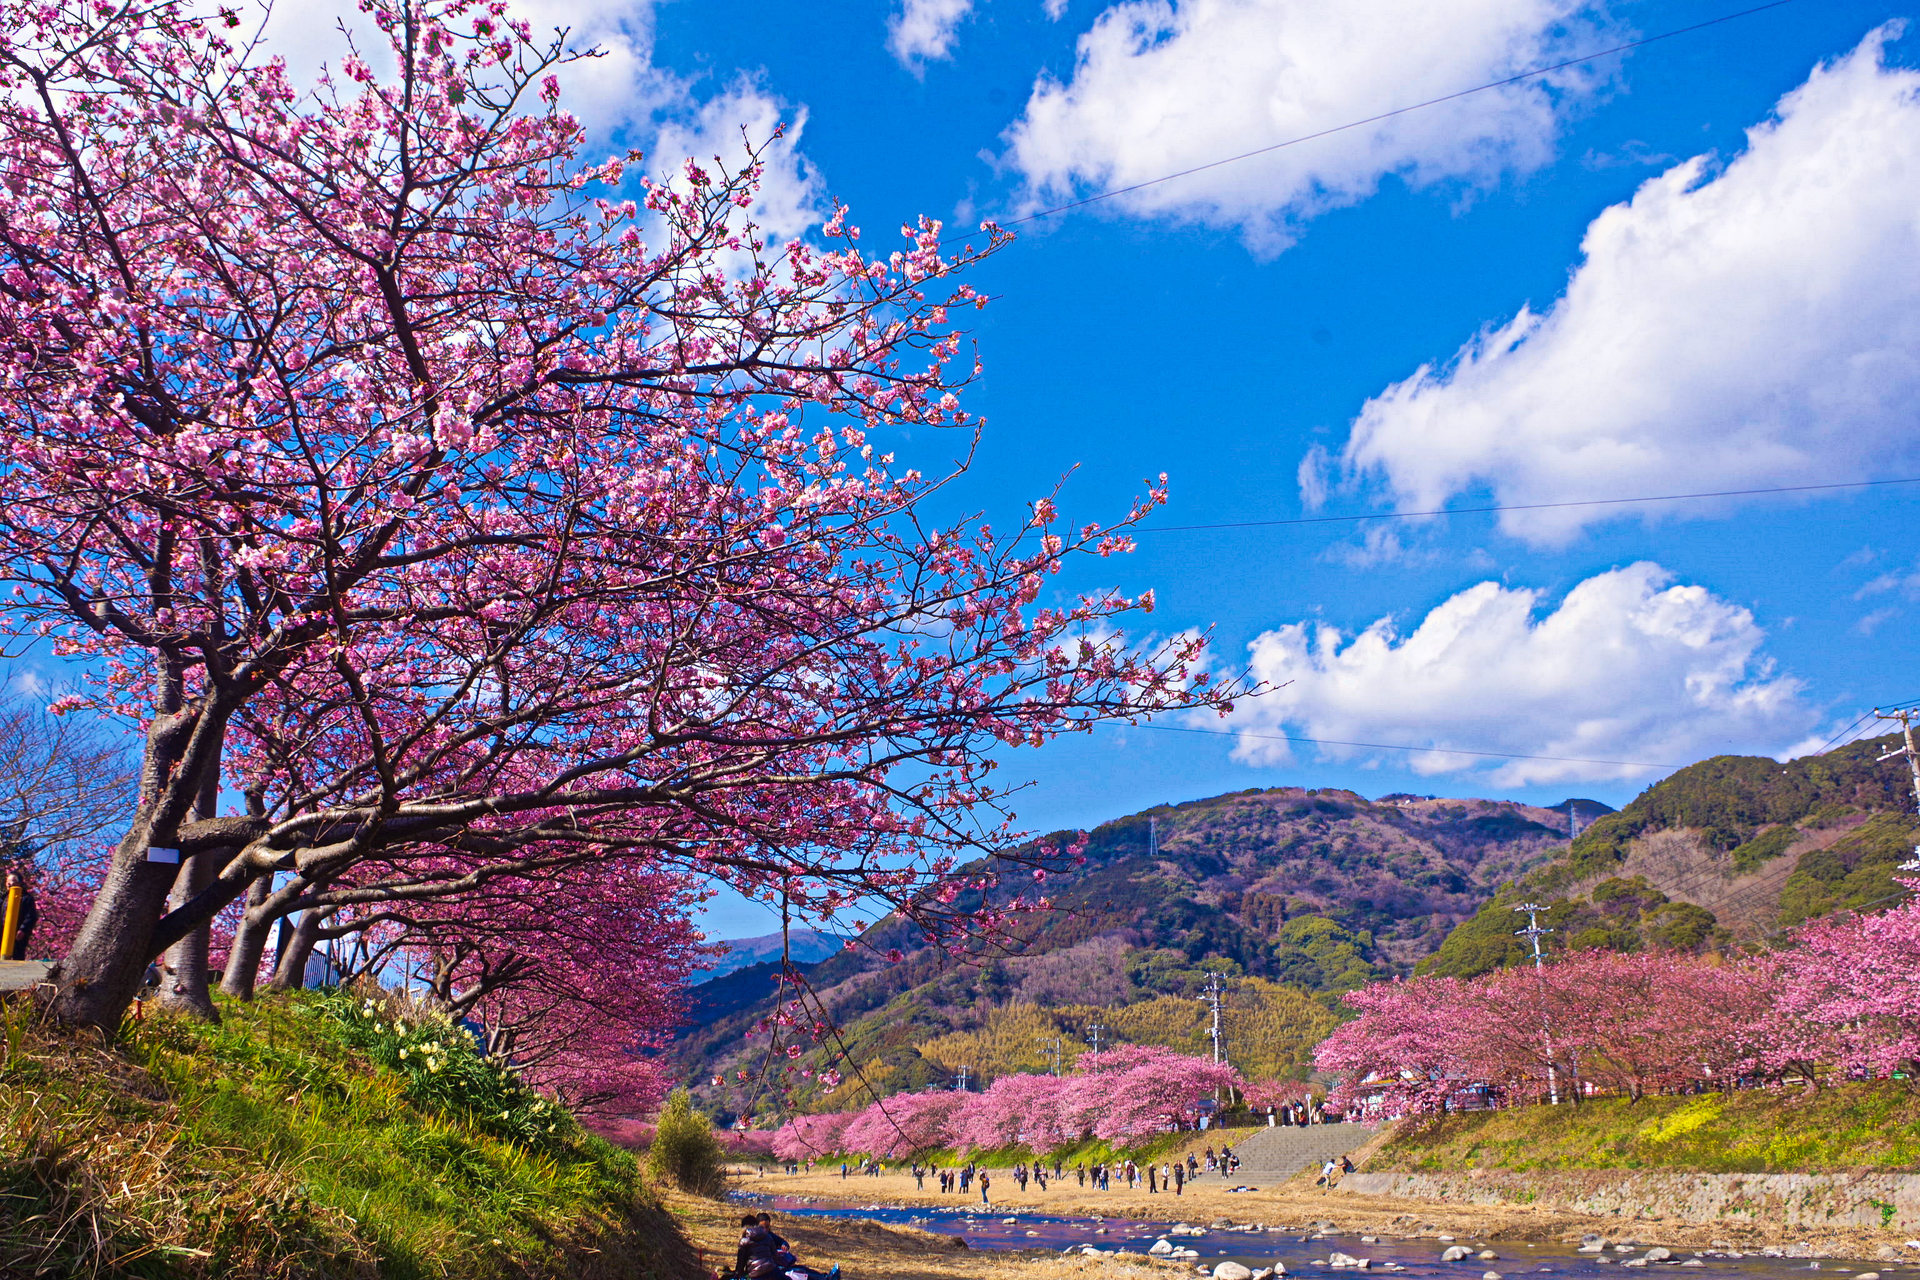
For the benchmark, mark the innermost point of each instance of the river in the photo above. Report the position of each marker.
(1303, 1251)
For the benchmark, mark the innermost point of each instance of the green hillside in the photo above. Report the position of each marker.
(1867, 1125)
(1735, 848)
(296, 1138)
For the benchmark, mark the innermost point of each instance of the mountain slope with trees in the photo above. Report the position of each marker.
(1295, 895)
(1732, 849)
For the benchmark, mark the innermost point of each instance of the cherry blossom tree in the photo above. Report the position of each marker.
(1018, 1109)
(1848, 993)
(569, 977)
(1409, 1050)
(907, 1124)
(810, 1137)
(1135, 1091)
(384, 462)
(1627, 1023)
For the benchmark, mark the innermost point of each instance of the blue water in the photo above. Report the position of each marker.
(1305, 1252)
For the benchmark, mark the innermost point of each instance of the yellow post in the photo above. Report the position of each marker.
(14, 893)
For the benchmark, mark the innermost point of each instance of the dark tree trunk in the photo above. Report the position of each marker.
(102, 971)
(185, 987)
(249, 942)
(183, 984)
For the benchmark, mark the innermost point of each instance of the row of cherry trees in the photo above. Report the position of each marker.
(514, 536)
(1843, 1000)
(1130, 1092)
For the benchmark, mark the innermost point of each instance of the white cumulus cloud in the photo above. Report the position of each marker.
(923, 31)
(1746, 326)
(790, 196)
(1629, 666)
(1162, 85)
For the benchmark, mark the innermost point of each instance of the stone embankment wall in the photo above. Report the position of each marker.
(1883, 1201)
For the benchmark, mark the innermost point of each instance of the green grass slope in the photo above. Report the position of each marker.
(316, 1135)
(1872, 1125)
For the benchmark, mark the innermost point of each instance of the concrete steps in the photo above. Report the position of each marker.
(1283, 1151)
(19, 975)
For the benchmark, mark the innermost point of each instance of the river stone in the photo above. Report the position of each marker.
(1491, 1275)
(1338, 1259)
(1591, 1248)
(1487, 1255)
(1886, 1253)
(1160, 1248)
(1693, 1262)
(1263, 1273)
(1232, 1271)
(1455, 1253)
(1634, 1262)
(1657, 1254)
(1444, 1239)
(1868, 1275)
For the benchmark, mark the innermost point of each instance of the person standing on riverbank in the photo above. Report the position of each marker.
(1179, 1177)
(985, 1182)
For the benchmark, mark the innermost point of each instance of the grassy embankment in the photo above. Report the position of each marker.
(311, 1135)
(1847, 1127)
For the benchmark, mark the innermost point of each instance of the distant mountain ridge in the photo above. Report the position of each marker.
(1311, 891)
(803, 946)
(1298, 895)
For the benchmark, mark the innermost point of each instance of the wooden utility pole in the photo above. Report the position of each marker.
(1905, 717)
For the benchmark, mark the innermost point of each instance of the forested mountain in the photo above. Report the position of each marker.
(1298, 895)
(1732, 849)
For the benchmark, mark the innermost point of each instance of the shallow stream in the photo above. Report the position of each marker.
(1306, 1252)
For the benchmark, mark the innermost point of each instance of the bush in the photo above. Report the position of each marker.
(444, 1069)
(684, 1150)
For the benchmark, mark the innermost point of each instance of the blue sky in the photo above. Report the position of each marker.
(1333, 329)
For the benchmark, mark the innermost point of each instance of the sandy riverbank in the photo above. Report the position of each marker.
(1298, 1204)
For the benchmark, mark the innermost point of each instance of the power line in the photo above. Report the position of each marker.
(1531, 74)
(1528, 506)
(1455, 751)
(1393, 746)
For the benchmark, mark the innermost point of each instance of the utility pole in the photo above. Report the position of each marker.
(1050, 1046)
(1533, 933)
(1215, 989)
(960, 1078)
(1913, 766)
(1153, 837)
(1094, 1033)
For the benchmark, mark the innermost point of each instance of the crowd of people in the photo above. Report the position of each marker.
(1170, 1176)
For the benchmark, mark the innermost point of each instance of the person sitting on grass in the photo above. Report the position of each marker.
(763, 1255)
